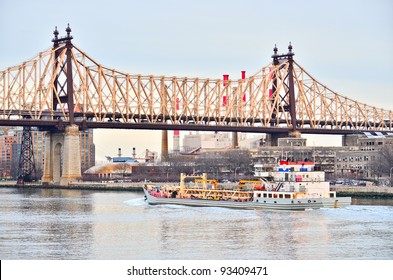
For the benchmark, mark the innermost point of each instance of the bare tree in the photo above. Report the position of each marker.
(238, 161)
(217, 165)
(124, 168)
(386, 160)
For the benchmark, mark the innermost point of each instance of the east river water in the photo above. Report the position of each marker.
(70, 224)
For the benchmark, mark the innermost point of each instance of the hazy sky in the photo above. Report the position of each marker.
(346, 45)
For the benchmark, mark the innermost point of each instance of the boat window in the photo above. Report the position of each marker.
(259, 195)
(270, 195)
(280, 195)
(265, 195)
(275, 195)
(287, 196)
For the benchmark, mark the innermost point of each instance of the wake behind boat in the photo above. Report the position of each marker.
(292, 186)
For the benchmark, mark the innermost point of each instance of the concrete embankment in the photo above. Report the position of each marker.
(358, 191)
(353, 191)
(128, 186)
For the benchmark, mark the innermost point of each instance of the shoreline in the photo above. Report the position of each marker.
(92, 186)
(352, 191)
(366, 192)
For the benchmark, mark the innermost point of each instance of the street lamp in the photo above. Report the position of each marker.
(235, 172)
(390, 175)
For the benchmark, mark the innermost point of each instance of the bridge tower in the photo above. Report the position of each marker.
(287, 98)
(26, 167)
(62, 163)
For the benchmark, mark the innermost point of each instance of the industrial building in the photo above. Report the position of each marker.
(357, 158)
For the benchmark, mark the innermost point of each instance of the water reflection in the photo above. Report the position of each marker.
(43, 223)
(224, 233)
(64, 224)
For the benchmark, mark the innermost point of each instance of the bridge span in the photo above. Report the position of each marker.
(63, 90)
(63, 85)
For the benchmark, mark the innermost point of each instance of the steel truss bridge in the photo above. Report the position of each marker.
(63, 85)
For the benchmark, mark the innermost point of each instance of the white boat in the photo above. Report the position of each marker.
(291, 186)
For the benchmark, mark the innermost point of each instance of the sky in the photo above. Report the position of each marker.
(346, 45)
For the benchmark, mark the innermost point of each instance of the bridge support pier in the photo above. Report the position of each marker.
(62, 163)
(235, 140)
(346, 141)
(272, 138)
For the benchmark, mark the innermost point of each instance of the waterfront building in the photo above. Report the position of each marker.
(87, 149)
(122, 166)
(6, 156)
(362, 154)
(220, 141)
(358, 158)
(118, 167)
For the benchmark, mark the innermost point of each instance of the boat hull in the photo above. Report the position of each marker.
(268, 204)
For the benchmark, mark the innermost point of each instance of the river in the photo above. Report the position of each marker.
(38, 224)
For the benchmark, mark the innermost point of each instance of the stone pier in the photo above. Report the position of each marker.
(62, 163)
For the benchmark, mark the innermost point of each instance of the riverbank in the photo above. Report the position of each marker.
(94, 186)
(359, 191)
(353, 191)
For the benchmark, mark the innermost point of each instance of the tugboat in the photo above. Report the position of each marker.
(291, 186)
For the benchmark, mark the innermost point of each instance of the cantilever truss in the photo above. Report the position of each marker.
(101, 94)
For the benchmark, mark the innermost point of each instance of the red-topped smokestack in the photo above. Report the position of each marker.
(244, 98)
(176, 141)
(225, 82)
(225, 78)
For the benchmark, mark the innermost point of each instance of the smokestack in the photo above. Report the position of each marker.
(119, 152)
(176, 141)
(225, 78)
(235, 140)
(244, 98)
(164, 145)
(225, 82)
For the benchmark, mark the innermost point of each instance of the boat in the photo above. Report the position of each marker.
(290, 186)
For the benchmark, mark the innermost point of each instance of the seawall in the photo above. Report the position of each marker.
(128, 186)
(358, 191)
(353, 191)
